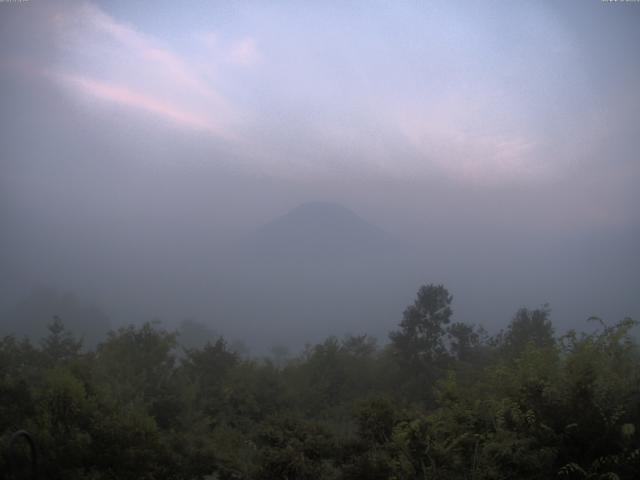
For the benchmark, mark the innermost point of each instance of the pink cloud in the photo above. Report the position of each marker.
(117, 63)
(130, 98)
(452, 135)
(178, 70)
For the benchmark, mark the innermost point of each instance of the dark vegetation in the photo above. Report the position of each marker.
(441, 400)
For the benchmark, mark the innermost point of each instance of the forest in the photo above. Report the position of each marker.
(439, 400)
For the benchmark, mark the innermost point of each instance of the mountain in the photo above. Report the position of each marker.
(317, 270)
(318, 231)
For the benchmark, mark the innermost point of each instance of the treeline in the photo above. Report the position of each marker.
(440, 400)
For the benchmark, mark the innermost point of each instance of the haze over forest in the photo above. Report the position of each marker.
(282, 172)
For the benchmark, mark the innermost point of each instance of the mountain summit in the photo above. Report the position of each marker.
(319, 229)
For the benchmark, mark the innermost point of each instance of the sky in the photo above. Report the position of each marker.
(497, 136)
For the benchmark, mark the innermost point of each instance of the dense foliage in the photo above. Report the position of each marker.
(441, 400)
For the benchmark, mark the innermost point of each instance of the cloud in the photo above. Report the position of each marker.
(405, 95)
(245, 52)
(470, 155)
(116, 63)
(124, 96)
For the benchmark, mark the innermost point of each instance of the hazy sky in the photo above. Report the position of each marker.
(176, 124)
(484, 94)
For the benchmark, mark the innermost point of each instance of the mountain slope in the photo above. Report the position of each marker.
(318, 230)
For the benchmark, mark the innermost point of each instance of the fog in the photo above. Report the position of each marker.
(282, 173)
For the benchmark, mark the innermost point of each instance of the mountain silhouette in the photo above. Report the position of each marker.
(319, 230)
(315, 270)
